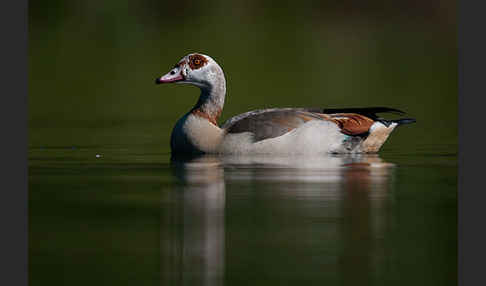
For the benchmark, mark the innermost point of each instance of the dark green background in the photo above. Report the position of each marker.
(103, 220)
(93, 64)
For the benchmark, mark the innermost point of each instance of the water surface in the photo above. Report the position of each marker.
(128, 218)
(134, 216)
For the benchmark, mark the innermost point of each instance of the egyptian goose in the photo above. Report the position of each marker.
(269, 131)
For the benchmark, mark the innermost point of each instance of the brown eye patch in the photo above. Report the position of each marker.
(196, 61)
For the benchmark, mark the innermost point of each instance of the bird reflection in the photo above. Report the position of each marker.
(355, 185)
(197, 251)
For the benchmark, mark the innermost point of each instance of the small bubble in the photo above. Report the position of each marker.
(98, 155)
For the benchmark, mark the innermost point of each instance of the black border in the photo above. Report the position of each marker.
(471, 189)
(14, 114)
(13, 209)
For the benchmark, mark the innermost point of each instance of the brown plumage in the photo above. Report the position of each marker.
(272, 123)
(196, 61)
(211, 118)
(352, 123)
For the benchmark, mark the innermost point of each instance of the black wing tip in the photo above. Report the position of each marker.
(403, 121)
(388, 109)
(372, 110)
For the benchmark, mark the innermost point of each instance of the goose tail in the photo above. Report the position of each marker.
(403, 121)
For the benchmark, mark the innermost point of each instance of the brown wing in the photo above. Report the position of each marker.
(352, 123)
(270, 123)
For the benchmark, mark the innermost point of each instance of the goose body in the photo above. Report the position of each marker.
(269, 131)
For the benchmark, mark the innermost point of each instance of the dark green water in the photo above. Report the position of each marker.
(134, 218)
(131, 216)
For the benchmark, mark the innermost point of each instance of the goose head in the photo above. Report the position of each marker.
(195, 69)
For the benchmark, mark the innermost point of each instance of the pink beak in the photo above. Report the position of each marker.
(172, 76)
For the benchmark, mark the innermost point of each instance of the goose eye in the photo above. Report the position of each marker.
(196, 62)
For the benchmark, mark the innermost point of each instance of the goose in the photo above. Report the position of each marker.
(269, 131)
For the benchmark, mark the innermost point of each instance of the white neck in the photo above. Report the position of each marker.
(211, 100)
(198, 130)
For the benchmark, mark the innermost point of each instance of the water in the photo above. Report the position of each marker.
(143, 218)
(108, 205)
